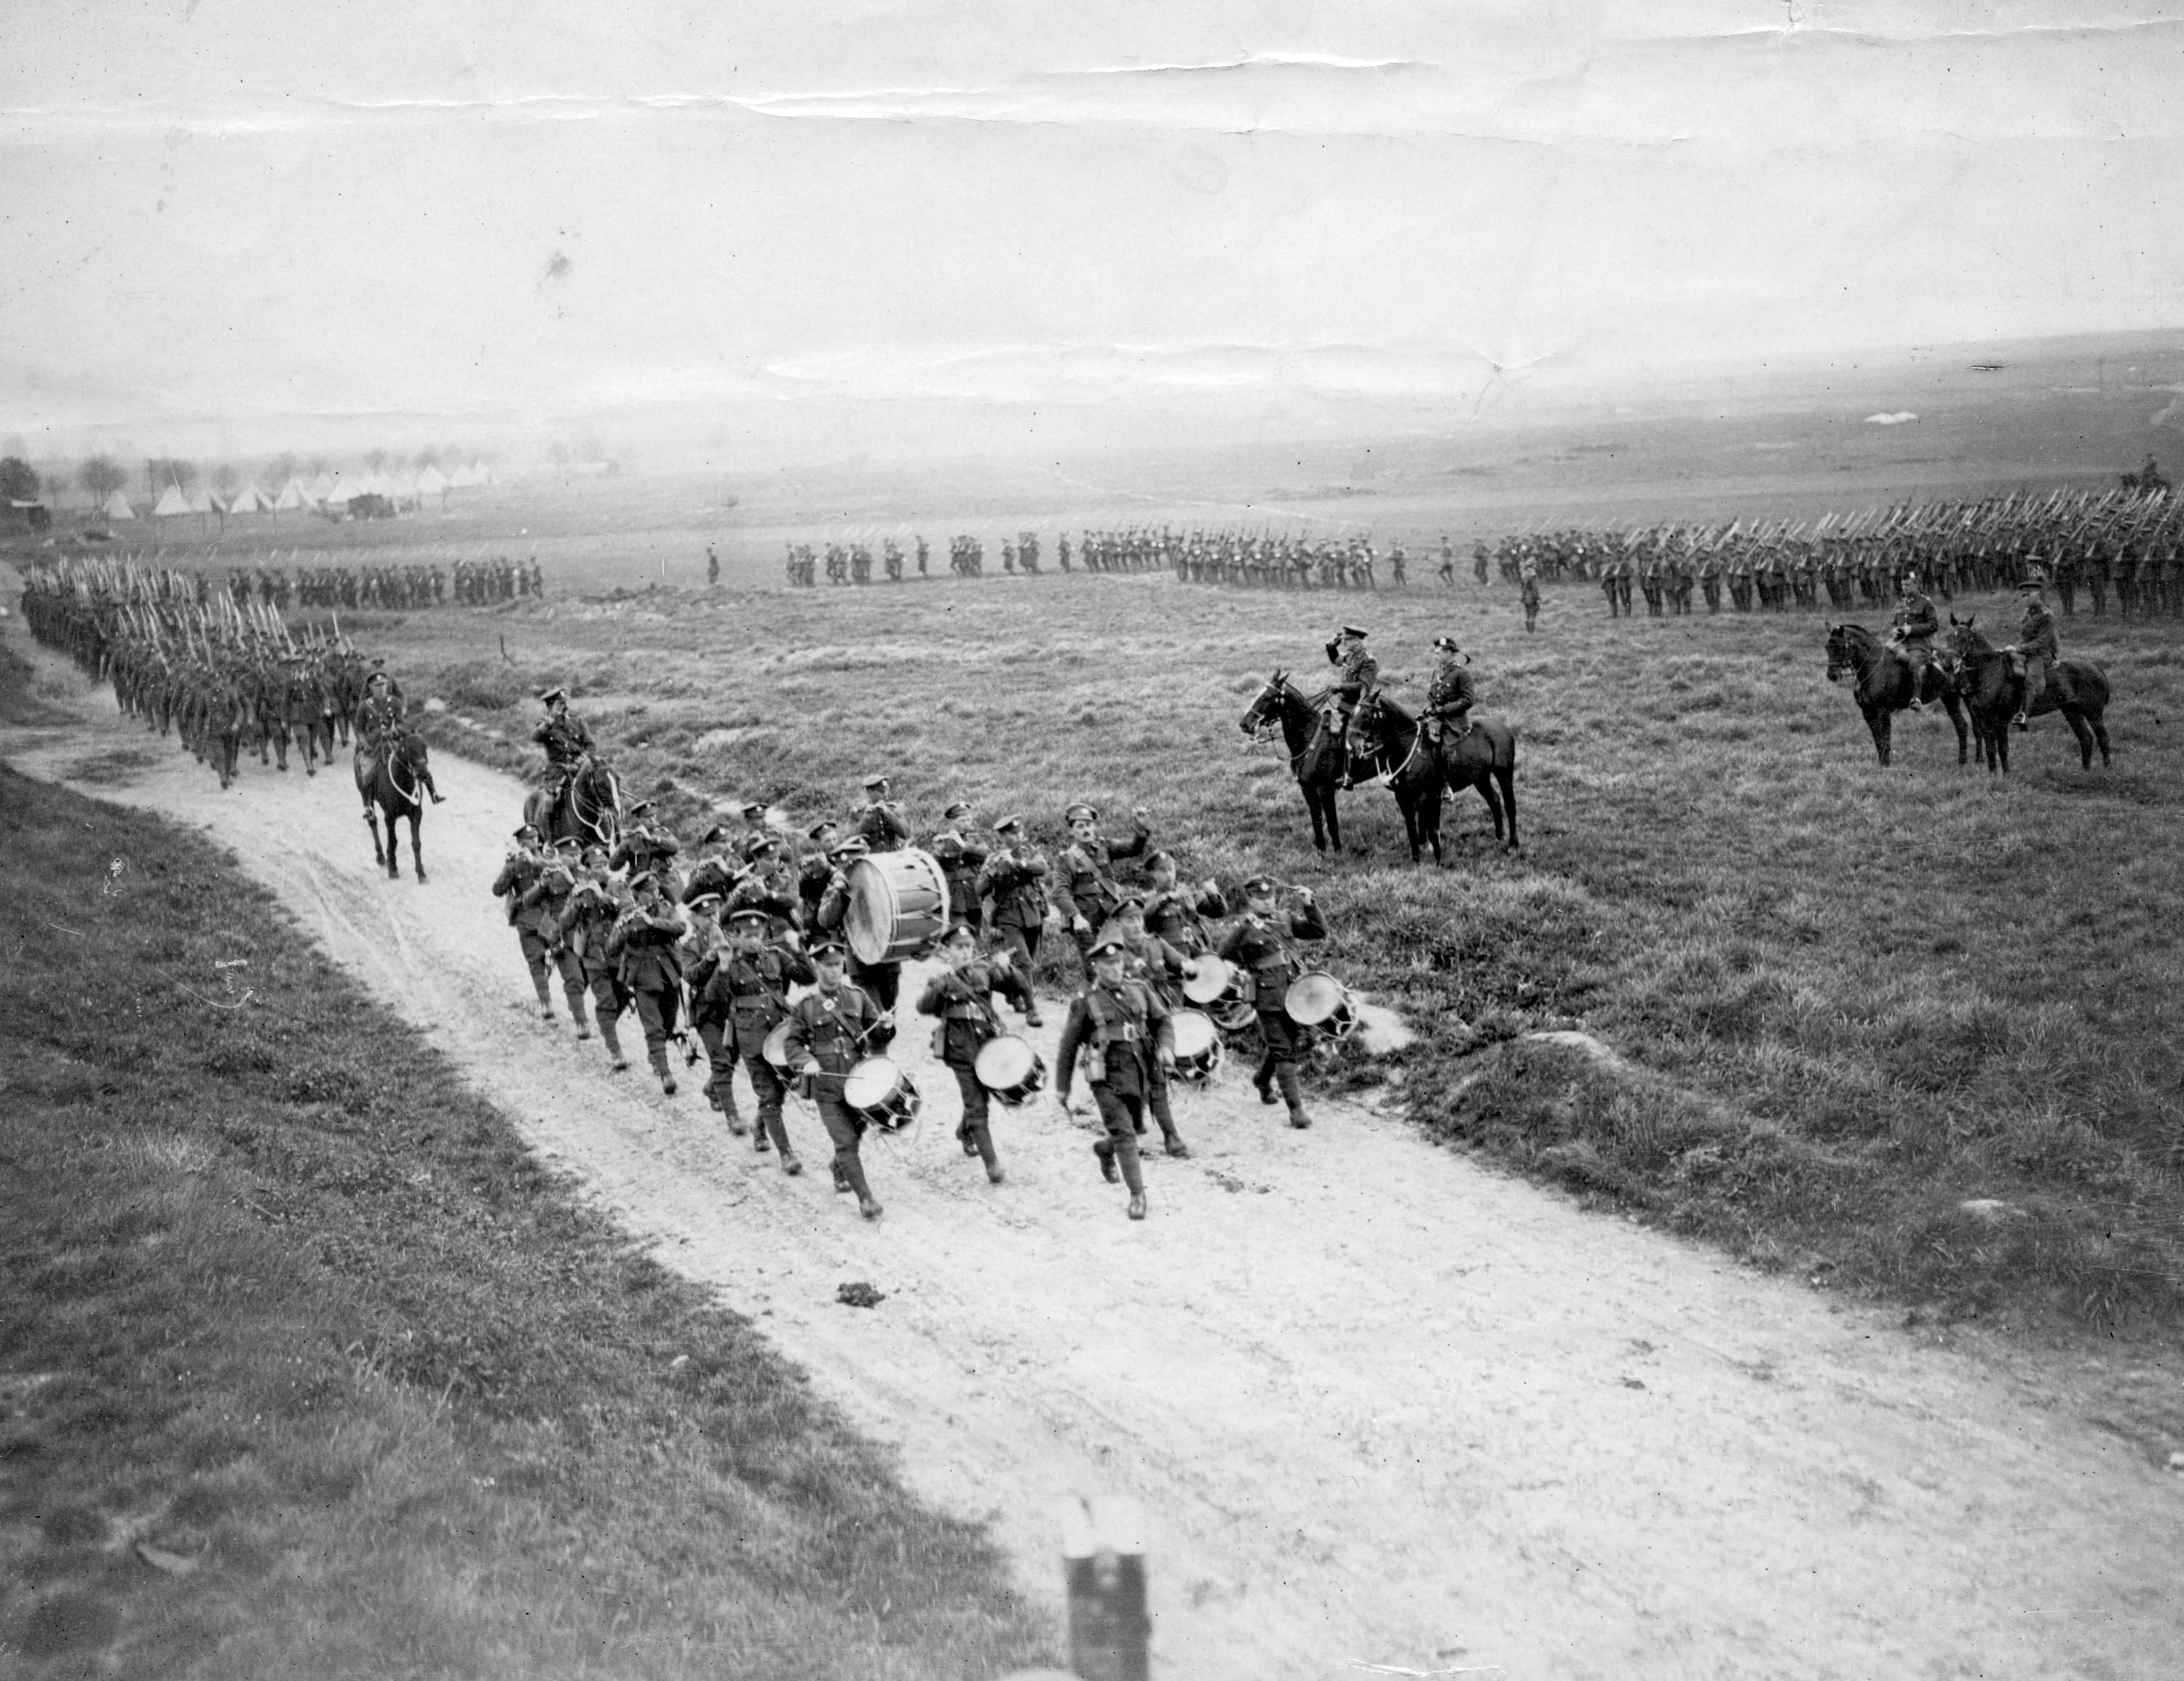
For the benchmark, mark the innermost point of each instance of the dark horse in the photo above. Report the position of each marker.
(589, 807)
(391, 783)
(2077, 689)
(1317, 757)
(1389, 747)
(1486, 759)
(1883, 687)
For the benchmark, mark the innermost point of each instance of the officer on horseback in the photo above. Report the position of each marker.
(2037, 648)
(382, 720)
(567, 742)
(1914, 627)
(1453, 692)
(1356, 672)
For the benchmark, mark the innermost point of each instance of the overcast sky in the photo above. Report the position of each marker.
(446, 215)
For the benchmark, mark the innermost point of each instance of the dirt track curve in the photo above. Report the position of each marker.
(1380, 1407)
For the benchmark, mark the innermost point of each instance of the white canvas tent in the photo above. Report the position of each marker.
(248, 500)
(321, 487)
(294, 494)
(171, 502)
(201, 502)
(116, 507)
(339, 492)
(431, 482)
(461, 479)
(480, 473)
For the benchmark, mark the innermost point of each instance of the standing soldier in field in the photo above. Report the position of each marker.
(1015, 879)
(1259, 946)
(1087, 891)
(1130, 1038)
(1528, 586)
(831, 1031)
(712, 567)
(1607, 587)
(518, 873)
(645, 948)
(961, 859)
(1710, 580)
(924, 554)
(962, 996)
(589, 915)
(748, 989)
(880, 820)
(1480, 559)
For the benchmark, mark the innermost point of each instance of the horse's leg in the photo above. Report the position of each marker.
(1878, 722)
(1311, 810)
(1333, 818)
(1429, 799)
(2100, 736)
(2076, 721)
(371, 822)
(1955, 709)
(1506, 776)
(416, 845)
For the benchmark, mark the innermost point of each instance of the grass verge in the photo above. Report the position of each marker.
(307, 1366)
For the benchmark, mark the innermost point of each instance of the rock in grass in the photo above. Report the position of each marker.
(859, 1294)
(1992, 1210)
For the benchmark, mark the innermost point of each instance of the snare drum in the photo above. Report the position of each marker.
(1217, 986)
(880, 1094)
(775, 1050)
(1008, 1068)
(1317, 999)
(898, 906)
(1197, 1046)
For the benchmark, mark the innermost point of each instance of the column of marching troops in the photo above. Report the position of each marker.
(466, 583)
(225, 676)
(712, 939)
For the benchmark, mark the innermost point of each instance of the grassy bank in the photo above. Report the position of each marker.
(308, 1367)
(1859, 997)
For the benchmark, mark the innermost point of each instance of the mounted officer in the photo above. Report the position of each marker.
(568, 744)
(1453, 691)
(1356, 672)
(1913, 629)
(381, 723)
(2037, 648)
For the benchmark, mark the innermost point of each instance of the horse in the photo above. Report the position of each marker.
(589, 807)
(1316, 757)
(1389, 747)
(1486, 759)
(1991, 690)
(1883, 687)
(390, 782)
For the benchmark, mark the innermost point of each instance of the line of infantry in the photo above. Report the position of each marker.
(712, 941)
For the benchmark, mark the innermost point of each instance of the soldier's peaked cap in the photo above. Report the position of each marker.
(1109, 942)
(751, 808)
(642, 809)
(704, 901)
(1446, 644)
(856, 846)
(820, 828)
(550, 695)
(1260, 886)
(828, 949)
(1008, 826)
(718, 832)
(956, 812)
(523, 829)
(1353, 631)
(758, 845)
(1090, 813)
(875, 781)
(569, 844)
(746, 917)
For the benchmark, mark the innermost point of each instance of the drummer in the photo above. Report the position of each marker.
(1259, 945)
(882, 981)
(962, 996)
(1158, 967)
(1131, 1040)
(1176, 913)
(830, 1032)
(748, 991)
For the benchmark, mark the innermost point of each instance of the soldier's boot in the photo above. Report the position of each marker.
(1171, 1140)
(722, 1096)
(1103, 1154)
(1125, 1154)
(841, 1174)
(612, 1040)
(538, 982)
(852, 1167)
(576, 996)
(982, 1146)
(1263, 1081)
(657, 1056)
(1137, 1205)
(1293, 1094)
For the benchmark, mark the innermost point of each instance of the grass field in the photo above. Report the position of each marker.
(307, 1367)
(1857, 998)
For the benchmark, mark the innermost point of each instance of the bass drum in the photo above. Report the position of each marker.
(1217, 987)
(1317, 999)
(1198, 1050)
(1008, 1068)
(898, 906)
(880, 1094)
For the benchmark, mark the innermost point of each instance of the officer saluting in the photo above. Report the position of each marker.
(831, 1031)
(1131, 1039)
(567, 743)
(1088, 892)
(1259, 946)
(1356, 673)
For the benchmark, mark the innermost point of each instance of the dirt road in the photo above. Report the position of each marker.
(1379, 1406)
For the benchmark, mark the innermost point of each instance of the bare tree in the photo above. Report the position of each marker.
(19, 480)
(375, 459)
(101, 475)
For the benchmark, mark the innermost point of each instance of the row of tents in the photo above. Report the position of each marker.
(328, 490)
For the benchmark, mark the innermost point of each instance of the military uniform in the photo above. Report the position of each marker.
(518, 873)
(1128, 1033)
(1451, 694)
(1015, 879)
(1259, 946)
(1088, 892)
(963, 1000)
(2037, 648)
(748, 993)
(836, 1031)
(1178, 916)
(645, 948)
(589, 914)
(543, 902)
(1915, 626)
(567, 742)
(1356, 672)
(646, 848)
(960, 860)
(880, 821)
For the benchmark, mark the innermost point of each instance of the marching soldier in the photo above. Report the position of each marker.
(567, 742)
(1176, 914)
(518, 872)
(1527, 591)
(1450, 698)
(645, 848)
(766, 883)
(1087, 892)
(1130, 1038)
(2039, 648)
(883, 981)
(962, 996)
(589, 915)
(880, 820)
(1259, 946)
(1015, 879)
(1159, 968)
(718, 871)
(961, 859)
(645, 948)
(748, 991)
(816, 870)
(543, 903)
(830, 1030)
